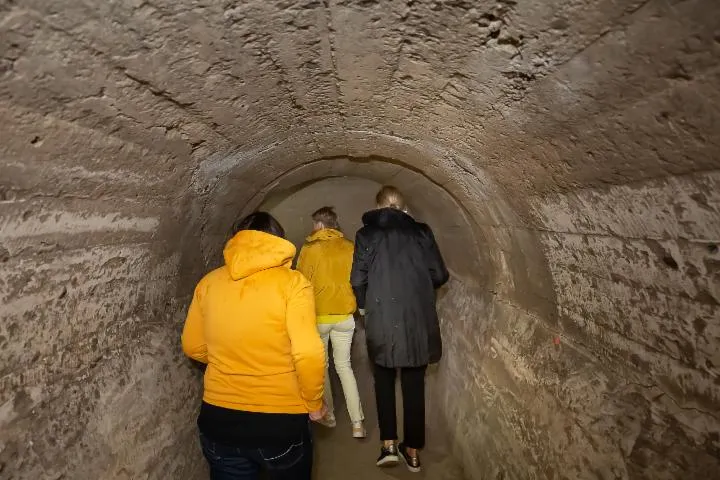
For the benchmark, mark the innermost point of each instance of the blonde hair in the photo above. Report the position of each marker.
(389, 196)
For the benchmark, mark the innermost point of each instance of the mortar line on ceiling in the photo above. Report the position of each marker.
(333, 59)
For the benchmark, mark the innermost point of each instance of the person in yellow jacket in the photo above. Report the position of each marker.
(252, 321)
(326, 260)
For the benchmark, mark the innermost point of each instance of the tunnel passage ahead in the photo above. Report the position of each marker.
(570, 149)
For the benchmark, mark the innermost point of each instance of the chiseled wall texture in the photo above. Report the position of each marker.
(624, 383)
(92, 381)
(638, 290)
(565, 151)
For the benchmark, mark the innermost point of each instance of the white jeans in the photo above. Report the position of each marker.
(341, 335)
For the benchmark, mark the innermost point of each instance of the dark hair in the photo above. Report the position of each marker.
(260, 221)
(326, 216)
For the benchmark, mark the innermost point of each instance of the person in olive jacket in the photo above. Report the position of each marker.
(397, 267)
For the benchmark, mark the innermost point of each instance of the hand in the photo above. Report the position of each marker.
(361, 311)
(318, 414)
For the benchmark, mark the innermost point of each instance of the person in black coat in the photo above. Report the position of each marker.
(397, 267)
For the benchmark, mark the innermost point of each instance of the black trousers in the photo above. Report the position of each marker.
(412, 381)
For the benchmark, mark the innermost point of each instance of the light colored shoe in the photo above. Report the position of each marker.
(358, 430)
(328, 420)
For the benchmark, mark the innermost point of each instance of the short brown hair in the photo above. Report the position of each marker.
(326, 216)
(389, 196)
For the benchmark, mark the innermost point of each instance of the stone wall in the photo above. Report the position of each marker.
(92, 380)
(565, 152)
(624, 384)
(638, 282)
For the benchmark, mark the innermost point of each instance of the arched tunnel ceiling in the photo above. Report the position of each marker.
(429, 201)
(474, 219)
(576, 141)
(540, 94)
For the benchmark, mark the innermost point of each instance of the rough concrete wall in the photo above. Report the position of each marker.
(534, 117)
(625, 384)
(92, 381)
(492, 387)
(638, 282)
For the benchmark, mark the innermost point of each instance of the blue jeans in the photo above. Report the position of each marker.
(288, 462)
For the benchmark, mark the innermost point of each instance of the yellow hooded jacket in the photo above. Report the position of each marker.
(253, 322)
(326, 260)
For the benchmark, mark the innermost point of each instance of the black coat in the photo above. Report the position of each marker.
(396, 268)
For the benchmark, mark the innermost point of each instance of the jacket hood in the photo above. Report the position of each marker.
(251, 251)
(385, 217)
(324, 234)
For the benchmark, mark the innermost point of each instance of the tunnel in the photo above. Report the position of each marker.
(565, 153)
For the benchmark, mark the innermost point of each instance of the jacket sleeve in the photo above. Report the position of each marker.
(436, 265)
(308, 352)
(360, 267)
(193, 335)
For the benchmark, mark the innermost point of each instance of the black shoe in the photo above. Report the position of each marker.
(388, 456)
(413, 463)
